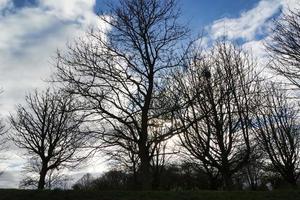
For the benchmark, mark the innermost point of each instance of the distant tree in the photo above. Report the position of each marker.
(183, 176)
(50, 130)
(125, 158)
(84, 183)
(284, 44)
(218, 88)
(164, 154)
(277, 129)
(113, 180)
(3, 140)
(252, 174)
(57, 180)
(120, 72)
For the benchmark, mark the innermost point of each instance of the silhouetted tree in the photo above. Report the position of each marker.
(3, 140)
(84, 183)
(284, 45)
(125, 159)
(50, 130)
(218, 87)
(277, 130)
(113, 180)
(54, 179)
(252, 174)
(182, 176)
(162, 155)
(120, 70)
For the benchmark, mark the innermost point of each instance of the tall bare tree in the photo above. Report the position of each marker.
(120, 73)
(218, 87)
(49, 129)
(284, 45)
(277, 130)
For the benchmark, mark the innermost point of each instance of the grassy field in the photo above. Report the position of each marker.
(159, 195)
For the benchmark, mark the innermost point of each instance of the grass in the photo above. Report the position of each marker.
(153, 195)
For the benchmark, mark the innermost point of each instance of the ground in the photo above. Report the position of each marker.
(157, 195)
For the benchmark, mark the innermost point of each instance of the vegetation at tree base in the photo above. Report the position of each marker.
(180, 177)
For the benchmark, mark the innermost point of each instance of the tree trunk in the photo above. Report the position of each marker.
(135, 177)
(156, 180)
(145, 169)
(43, 173)
(227, 181)
(145, 172)
(292, 181)
(213, 183)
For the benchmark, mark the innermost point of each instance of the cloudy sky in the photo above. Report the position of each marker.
(32, 30)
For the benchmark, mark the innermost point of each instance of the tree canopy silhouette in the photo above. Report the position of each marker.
(120, 73)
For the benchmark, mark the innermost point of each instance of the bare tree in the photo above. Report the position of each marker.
(125, 159)
(3, 139)
(284, 45)
(49, 129)
(3, 143)
(84, 183)
(163, 154)
(253, 172)
(120, 73)
(53, 179)
(277, 130)
(218, 87)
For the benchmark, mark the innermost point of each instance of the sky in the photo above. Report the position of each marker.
(31, 31)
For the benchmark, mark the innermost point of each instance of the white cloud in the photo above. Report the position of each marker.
(10, 179)
(76, 10)
(248, 24)
(30, 36)
(5, 3)
(5, 7)
(256, 47)
(290, 4)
